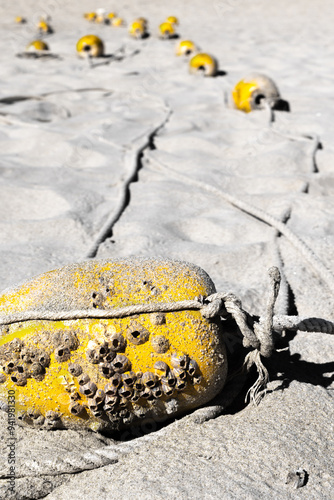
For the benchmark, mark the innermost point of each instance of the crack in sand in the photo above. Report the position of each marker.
(133, 164)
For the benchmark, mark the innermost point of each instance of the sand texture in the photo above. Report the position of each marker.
(133, 156)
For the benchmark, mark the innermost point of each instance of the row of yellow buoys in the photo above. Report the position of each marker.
(249, 94)
(101, 16)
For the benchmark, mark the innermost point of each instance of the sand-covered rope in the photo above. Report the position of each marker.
(131, 159)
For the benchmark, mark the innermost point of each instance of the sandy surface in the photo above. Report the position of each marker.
(73, 137)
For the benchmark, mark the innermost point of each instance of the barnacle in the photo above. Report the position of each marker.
(203, 64)
(117, 342)
(110, 373)
(90, 45)
(137, 334)
(88, 389)
(185, 48)
(250, 92)
(160, 344)
(75, 369)
(179, 361)
(161, 367)
(121, 364)
(106, 370)
(129, 378)
(38, 45)
(192, 367)
(62, 353)
(149, 379)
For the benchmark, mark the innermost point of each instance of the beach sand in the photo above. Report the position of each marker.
(132, 155)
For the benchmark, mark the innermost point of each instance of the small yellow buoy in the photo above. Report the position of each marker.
(37, 45)
(185, 48)
(101, 16)
(137, 29)
(94, 373)
(203, 64)
(90, 16)
(44, 27)
(251, 92)
(111, 15)
(100, 19)
(167, 30)
(20, 20)
(142, 20)
(172, 20)
(90, 46)
(117, 22)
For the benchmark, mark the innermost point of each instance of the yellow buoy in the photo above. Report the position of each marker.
(90, 16)
(37, 45)
(185, 48)
(101, 16)
(90, 46)
(20, 20)
(142, 20)
(70, 368)
(251, 92)
(111, 15)
(203, 64)
(44, 27)
(172, 20)
(117, 22)
(137, 29)
(167, 30)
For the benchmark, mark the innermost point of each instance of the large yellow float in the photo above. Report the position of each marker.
(72, 367)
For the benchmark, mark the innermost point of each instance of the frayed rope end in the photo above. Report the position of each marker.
(259, 388)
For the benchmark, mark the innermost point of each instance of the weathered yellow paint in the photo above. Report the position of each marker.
(110, 285)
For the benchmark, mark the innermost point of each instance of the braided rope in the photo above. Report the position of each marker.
(119, 312)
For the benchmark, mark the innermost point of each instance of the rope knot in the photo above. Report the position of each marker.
(258, 335)
(213, 306)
